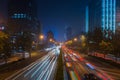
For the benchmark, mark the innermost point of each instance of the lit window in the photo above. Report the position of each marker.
(15, 14)
(22, 15)
(18, 15)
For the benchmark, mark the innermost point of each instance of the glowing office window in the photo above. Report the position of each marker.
(22, 15)
(18, 16)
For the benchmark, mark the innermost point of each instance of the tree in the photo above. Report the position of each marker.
(116, 44)
(107, 47)
(83, 44)
(94, 38)
(97, 35)
(25, 42)
(5, 46)
(3, 37)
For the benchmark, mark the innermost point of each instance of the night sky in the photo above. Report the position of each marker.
(55, 15)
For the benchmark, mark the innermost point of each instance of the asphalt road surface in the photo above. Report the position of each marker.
(77, 68)
(42, 69)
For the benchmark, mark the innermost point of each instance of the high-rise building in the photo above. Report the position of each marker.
(22, 16)
(102, 13)
(87, 19)
(118, 16)
(109, 14)
(95, 12)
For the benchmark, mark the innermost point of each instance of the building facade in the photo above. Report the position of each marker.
(104, 14)
(95, 12)
(22, 16)
(109, 14)
(118, 16)
(22, 21)
(86, 19)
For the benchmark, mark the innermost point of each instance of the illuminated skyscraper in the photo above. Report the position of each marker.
(118, 15)
(87, 19)
(102, 13)
(109, 14)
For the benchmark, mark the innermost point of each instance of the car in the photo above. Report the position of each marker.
(86, 76)
(90, 66)
(91, 76)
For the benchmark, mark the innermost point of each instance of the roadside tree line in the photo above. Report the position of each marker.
(6, 44)
(104, 41)
(101, 41)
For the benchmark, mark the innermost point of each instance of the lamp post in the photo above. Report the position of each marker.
(41, 37)
(75, 39)
(51, 40)
(40, 41)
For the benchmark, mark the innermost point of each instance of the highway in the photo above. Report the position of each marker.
(42, 69)
(81, 67)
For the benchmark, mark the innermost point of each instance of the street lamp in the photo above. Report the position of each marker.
(41, 37)
(83, 38)
(50, 40)
(75, 39)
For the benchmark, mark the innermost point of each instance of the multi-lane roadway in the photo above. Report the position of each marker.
(42, 69)
(79, 68)
(76, 67)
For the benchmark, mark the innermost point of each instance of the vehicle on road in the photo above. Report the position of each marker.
(73, 76)
(91, 76)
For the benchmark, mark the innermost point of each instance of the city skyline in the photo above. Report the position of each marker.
(54, 20)
(68, 15)
(60, 40)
